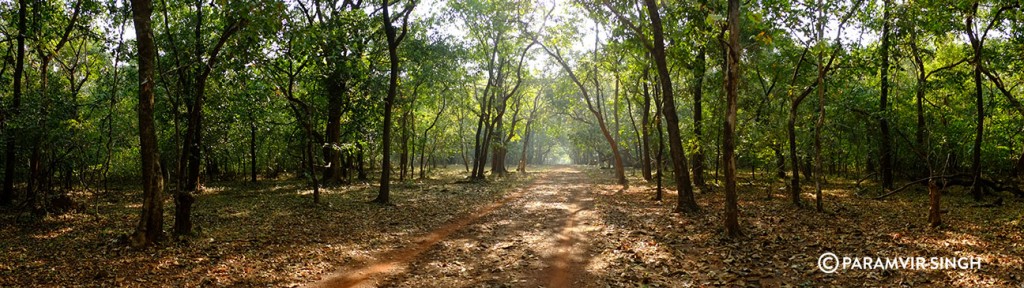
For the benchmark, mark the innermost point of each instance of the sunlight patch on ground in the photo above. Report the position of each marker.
(53, 233)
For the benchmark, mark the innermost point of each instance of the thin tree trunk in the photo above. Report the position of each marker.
(526, 138)
(698, 112)
(919, 92)
(645, 164)
(636, 133)
(732, 226)
(660, 161)
(620, 173)
(110, 110)
(394, 39)
(192, 148)
(976, 44)
(819, 174)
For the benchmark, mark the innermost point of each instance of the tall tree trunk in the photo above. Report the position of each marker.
(794, 186)
(620, 169)
(660, 161)
(478, 140)
(191, 154)
(191, 151)
(9, 163)
(698, 112)
(485, 146)
(192, 146)
(403, 158)
(820, 124)
(332, 153)
(645, 151)
(35, 157)
(303, 116)
(732, 225)
(150, 227)
(110, 110)
(483, 123)
(976, 44)
(477, 147)
(883, 120)
(394, 39)
(686, 201)
(498, 146)
(919, 91)
(636, 133)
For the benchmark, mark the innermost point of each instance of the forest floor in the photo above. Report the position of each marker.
(566, 226)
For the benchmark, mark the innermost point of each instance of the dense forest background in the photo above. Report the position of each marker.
(335, 93)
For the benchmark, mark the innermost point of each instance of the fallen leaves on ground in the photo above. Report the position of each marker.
(269, 234)
(567, 225)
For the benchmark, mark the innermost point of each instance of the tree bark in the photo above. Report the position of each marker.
(394, 39)
(192, 148)
(934, 204)
(645, 151)
(620, 169)
(334, 101)
(686, 201)
(820, 124)
(732, 226)
(660, 161)
(919, 93)
(150, 227)
(698, 118)
(794, 186)
(976, 44)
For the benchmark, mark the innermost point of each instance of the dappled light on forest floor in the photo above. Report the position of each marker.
(566, 226)
(782, 243)
(247, 235)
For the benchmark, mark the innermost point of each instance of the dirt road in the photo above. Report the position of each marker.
(537, 236)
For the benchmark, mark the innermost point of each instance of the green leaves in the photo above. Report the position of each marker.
(714, 19)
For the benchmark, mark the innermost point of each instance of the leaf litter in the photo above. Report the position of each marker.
(571, 225)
